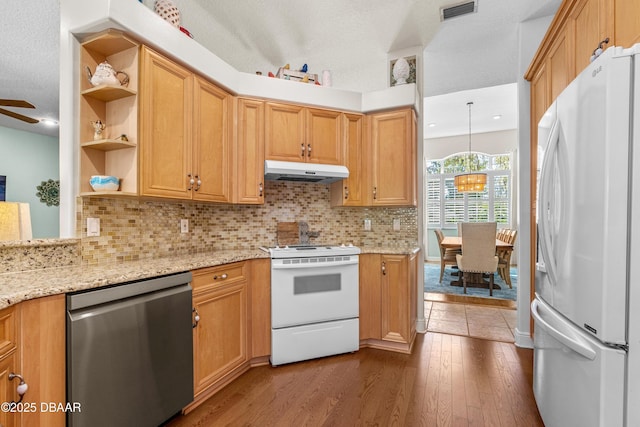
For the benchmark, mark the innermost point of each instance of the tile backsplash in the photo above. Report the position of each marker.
(133, 229)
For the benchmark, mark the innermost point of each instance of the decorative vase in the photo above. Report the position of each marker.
(401, 71)
(168, 11)
(326, 78)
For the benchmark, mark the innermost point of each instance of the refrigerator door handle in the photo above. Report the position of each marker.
(545, 190)
(570, 342)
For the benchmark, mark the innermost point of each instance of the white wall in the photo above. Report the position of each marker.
(530, 37)
(27, 159)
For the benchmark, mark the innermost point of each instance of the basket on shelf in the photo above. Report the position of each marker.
(168, 11)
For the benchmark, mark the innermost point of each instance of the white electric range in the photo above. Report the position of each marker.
(314, 301)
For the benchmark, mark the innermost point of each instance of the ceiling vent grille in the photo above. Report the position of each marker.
(458, 10)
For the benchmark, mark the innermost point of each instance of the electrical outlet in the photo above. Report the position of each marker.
(93, 227)
(396, 224)
(184, 225)
(367, 225)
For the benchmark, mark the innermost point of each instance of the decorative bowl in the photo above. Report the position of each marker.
(104, 183)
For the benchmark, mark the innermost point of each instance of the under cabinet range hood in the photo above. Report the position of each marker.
(303, 172)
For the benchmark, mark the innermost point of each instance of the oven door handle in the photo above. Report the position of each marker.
(305, 265)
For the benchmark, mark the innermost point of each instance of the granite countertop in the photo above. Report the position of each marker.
(20, 286)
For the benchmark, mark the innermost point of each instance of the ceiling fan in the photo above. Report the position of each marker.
(20, 104)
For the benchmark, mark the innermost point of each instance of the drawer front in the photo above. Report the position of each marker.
(217, 276)
(7, 330)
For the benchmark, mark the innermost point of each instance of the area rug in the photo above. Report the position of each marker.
(432, 277)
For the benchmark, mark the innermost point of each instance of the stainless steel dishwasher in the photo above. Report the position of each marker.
(130, 352)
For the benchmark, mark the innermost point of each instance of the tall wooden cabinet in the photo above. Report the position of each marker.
(388, 301)
(185, 139)
(299, 134)
(575, 32)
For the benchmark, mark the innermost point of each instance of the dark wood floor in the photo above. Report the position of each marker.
(448, 380)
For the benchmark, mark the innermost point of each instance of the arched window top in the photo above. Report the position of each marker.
(469, 162)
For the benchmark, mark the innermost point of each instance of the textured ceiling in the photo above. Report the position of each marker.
(473, 51)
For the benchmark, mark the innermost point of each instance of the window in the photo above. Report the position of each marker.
(446, 207)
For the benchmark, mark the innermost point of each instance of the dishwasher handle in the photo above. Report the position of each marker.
(125, 290)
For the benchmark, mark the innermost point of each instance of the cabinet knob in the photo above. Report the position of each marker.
(308, 150)
(191, 182)
(222, 276)
(22, 387)
(196, 318)
(375, 193)
(384, 268)
(198, 183)
(302, 147)
(346, 192)
(260, 189)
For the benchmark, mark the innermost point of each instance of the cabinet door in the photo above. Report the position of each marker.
(350, 191)
(8, 391)
(324, 136)
(260, 291)
(250, 152)
(588, 21)
(370, 271)
(393, 149)
(43, 352)
(396, 299)
(166, 92)
(559, 68)
(284, 132)
(211, 142)
(627, 22)
(220, 338)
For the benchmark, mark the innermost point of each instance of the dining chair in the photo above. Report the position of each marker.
(447, 256)
(478, 251)
(504, 258)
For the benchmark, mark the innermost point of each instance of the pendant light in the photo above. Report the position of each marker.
(470, 182)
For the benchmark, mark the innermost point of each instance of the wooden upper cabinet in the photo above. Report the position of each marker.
(392, 158)
(185, 122)
(559, 66)
(626, 22)
(166, 99)
(588, 25)
(249, 164)
(350, 191)
(298, 134)
(324, 136)
(212, 119)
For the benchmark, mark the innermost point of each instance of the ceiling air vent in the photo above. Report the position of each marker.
(458, 10)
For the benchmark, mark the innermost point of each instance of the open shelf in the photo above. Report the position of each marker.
(107, 194)
(108, 92)
(108, 144)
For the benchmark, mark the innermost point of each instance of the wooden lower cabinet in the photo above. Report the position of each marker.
(260, 323)
(32, 345)
(388, 301)
(220, 345)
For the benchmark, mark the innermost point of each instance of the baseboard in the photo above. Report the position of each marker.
(522, 340)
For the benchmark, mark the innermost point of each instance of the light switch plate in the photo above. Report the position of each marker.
(396, 224)
(367, 225)
(93, 227)
(184, 225)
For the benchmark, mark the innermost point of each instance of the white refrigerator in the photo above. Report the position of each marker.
(587, 306)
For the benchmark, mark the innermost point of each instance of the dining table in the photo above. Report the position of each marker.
(473, 279)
